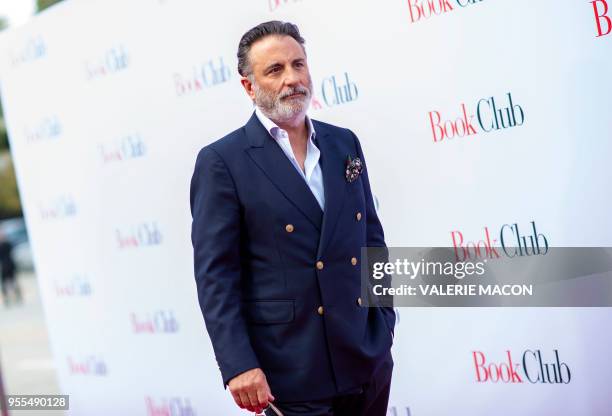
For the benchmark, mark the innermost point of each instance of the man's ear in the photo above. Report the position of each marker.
(248, 87)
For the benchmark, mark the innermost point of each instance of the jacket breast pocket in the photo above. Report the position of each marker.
(269, 311)
(355, 191)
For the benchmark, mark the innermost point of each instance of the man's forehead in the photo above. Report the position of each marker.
(275, 48)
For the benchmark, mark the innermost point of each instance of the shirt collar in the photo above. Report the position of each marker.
(273, 129)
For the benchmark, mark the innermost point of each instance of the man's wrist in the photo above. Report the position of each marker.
(236, 373)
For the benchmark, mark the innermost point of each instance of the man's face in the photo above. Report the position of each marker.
(280, 84)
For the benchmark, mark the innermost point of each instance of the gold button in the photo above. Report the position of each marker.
(289, 228)
(354, 261)
(359, 301)
(320, 310)
(358, 216)
(320, 265)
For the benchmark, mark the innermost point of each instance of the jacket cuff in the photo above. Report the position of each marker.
(235, 369)
(389, 314)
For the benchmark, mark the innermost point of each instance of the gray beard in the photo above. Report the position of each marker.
(280, 110)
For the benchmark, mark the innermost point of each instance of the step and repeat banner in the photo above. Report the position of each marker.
(483, 122)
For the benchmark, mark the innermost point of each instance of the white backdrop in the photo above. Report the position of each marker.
(108, 102)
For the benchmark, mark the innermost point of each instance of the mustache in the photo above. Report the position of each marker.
(295, 90)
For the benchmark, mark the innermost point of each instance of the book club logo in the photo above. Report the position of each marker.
(34, 49)
(275, 4)
(87, 366)
(337, 90)
(114, 60)
(424, 9)
(59, 207)
(315, 103)
(157, 322)
(171, 406)
(209, 74)
(532, 367)
(141, 235)
(512, 241)
(489, 115)
(75, 286)
(398, 411)
(49, 128)
(125, 148)
(602, 20)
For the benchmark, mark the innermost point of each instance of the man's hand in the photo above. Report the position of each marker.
(251, 391)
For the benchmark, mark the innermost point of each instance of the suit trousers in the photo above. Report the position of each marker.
(370, 400)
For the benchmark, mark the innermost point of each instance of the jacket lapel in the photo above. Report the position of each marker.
(271, 159)
(334, 182)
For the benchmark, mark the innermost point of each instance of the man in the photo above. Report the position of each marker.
(7, 270)
(279, 217)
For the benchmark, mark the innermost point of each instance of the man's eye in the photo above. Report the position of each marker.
(276, 69)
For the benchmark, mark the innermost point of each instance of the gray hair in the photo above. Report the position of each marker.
(260, 31)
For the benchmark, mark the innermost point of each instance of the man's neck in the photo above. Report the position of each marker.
(296, 128)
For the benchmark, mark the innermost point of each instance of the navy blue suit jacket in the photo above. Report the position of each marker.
(258, 284)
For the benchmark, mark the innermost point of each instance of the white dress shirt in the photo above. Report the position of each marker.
(312, 169)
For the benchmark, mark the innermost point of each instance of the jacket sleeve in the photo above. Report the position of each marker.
(215, 235)
(375, 236)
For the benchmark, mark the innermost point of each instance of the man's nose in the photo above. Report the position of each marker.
(292, 77)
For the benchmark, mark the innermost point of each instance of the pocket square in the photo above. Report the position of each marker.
(353, 168)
